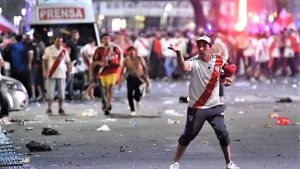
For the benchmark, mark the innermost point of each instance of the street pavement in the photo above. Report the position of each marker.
(149, 140)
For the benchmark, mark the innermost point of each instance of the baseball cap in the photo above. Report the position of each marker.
(204, 38)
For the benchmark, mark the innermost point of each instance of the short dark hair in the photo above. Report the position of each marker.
(19, 38)
(74, 31)
(90, 40)
(131, 48)
(56, 37)
(103, 35)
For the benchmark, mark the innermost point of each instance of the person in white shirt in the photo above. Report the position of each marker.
(289, 41)
(262, 58)
(249, 54)
(275, 43)
(206, 70)
(87, 52)
(143, 46)
(169, 56)
(56, 68)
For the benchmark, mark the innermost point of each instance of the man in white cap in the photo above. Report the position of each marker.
(207, 71)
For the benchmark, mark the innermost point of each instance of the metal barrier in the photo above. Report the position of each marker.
(8, 156)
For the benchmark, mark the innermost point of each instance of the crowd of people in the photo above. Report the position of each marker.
(94, 70)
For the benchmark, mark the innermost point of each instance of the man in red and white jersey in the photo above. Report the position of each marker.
(107, 59)
(142, 45)
(206, 70)
(56, 68)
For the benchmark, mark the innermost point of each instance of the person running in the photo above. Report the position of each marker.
(108, 58)
(206, 70)
(137, 76)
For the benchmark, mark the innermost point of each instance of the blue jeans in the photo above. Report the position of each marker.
(170, 64)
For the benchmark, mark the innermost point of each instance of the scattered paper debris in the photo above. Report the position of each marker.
(173, 121)
(237, 99)
(172, 112)
(123, 148)
(273, 115)
(254, 87)
(168, 102)
(268, 125)
(133, 123)
(297, 123)
(295, 86)
(241, 112)
(69, 120)
(88, 113)
(26, 160)
(204, 141)
(108, 120)
(29, 128)
(103, 128)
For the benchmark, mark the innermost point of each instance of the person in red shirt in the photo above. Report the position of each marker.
(156, 58)
(106, 62)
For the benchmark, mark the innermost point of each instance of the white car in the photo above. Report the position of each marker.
(13, 95)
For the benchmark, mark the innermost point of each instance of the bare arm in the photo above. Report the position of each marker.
(69, 69)
(122, 67)
(30, 58)
(45, 68)
(184, 66)
(145, 70)
(1, 61)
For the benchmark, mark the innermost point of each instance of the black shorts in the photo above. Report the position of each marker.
(196, 119)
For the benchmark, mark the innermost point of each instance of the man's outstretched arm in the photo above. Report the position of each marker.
(184, 66)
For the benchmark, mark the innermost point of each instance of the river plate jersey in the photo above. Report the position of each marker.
(204, 82)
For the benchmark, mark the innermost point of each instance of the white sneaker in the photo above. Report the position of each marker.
(87, 97)
(231, 165)
(174, 165)
(5, 121)
(133, 113)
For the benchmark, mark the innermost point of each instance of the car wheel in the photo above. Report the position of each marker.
(3, 107)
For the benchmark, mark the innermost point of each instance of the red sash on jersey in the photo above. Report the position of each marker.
(211, 83)
(143, 43)
(56, 62)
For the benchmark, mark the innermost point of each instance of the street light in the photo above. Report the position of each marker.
(167, 9)
(23, 12)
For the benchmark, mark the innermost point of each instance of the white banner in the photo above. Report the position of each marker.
(62, 14)
(41, 2)
(144, 8)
